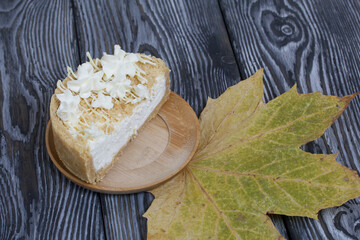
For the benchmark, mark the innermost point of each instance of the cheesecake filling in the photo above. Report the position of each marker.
(104, 148)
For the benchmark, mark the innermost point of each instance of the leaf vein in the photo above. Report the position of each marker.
(225, 118)
(277, 179)
(241, 141)
(215, 206)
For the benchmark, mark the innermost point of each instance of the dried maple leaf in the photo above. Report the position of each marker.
(249, 164)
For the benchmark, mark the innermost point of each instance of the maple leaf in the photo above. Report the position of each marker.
(249, 164)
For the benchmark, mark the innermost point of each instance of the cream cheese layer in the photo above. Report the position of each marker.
(104, 148)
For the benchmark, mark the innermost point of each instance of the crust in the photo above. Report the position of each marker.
(75, 154)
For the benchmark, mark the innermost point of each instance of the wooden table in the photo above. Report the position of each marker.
(209, 46)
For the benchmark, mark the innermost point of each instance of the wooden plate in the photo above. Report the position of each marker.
(159, 152)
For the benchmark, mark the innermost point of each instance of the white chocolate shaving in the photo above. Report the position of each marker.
(99, 83)
(68, 110)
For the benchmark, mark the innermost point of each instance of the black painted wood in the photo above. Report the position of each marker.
(190, 36)
(36, 202)
(316, 45)
(311, 43)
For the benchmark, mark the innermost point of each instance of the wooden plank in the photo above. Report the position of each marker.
(190, 37)
(313, 44)
(36, 201)
(123, 215)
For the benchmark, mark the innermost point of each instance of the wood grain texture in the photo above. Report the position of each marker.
(36, 201)
(313, 44)
(123, 215)
(190, 36)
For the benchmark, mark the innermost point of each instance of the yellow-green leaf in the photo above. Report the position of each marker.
(249, 164)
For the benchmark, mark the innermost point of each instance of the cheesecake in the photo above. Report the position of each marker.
(98, 109)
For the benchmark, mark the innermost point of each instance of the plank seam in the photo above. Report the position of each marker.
(102, 214)
(243, 76)
(74, 10)
(241, 70)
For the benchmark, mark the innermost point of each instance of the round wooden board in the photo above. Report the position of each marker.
(159, 152)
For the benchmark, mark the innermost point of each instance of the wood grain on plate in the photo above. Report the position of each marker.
(160, 150)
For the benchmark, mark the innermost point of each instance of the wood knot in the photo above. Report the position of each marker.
(281, 30)
(278, 27)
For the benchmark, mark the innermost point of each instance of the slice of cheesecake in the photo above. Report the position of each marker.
(98, 109)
